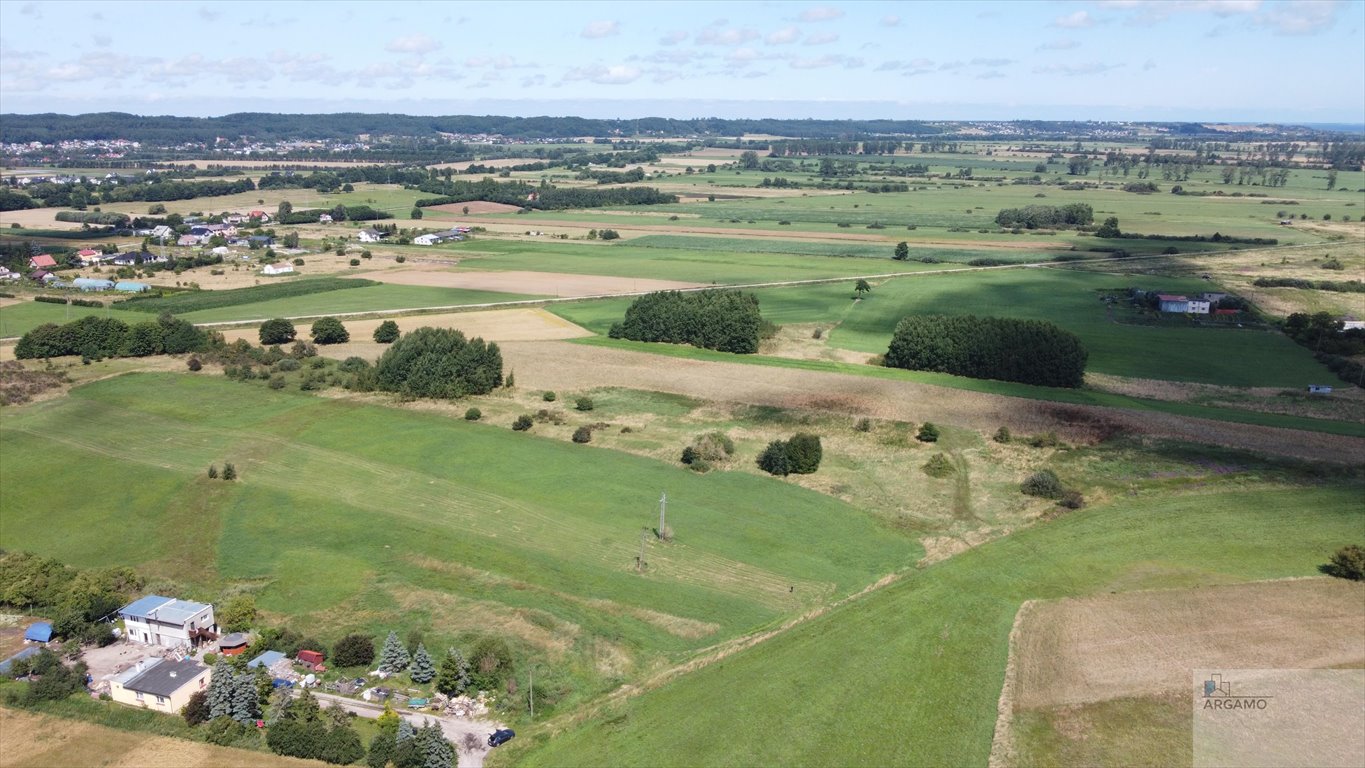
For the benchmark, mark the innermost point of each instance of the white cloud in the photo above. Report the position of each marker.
(500, 62)
(673, 38)
(1305, 17)
(788, 34)
(599, 29)
(527, 82)
(208, 15)
(742, 56)
(1059, 45)
(616, 74)
(991, 75)
(103, 41)
(417, 44)
(822, 38)
(891, 20)
(1077, 20)
(979, 62)
(1075, 70)
(718, 34)
(1149, 65)
(828, 60)
(821, 13)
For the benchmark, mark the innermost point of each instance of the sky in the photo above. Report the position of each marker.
(1202, 60)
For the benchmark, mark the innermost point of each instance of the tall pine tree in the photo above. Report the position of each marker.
(453, 678)
(422, 668)
(394, 658)
(221, 688)
(245, 698)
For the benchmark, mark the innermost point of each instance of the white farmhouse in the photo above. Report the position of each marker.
(371, 235)
(168, 622)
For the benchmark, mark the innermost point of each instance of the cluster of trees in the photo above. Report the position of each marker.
(100, 337)
(56, 681)
(1046, 216)
(438, 363)
(727, 321)
(633, 176)
(153, 189)
(1339, 286)
(1006, 349)
(401, 745)
(300, 728)
(543, 197)
(75, 599)
(1321, 332)
(800, 455)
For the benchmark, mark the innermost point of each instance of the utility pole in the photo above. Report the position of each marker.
(663, 508)
(533, 693)
(640, 559)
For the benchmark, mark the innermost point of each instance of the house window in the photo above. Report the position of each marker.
(139, 695)
(160, 700)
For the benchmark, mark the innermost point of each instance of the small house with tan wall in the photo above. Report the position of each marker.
(164, 685)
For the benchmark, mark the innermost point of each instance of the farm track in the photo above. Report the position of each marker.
(561, 365)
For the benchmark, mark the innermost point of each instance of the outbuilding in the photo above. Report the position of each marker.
(312, 658)
(234, 644)
(267, 660)
(128, 286)
(92, 284)
(38, 632)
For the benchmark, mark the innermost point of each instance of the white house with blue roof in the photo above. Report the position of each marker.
(168, 622)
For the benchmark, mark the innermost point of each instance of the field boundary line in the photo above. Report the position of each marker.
(1004, 750)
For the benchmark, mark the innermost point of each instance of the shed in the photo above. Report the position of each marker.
(38, 632)
(1319, 389)
(128, 286)
(310, 657)
(234, 644)
(267, 660)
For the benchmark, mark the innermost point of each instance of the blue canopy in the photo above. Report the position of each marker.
(38, 632)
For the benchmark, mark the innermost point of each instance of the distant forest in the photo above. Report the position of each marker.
(260, 126)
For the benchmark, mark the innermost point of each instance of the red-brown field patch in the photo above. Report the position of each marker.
(476, 206)
(535, 283)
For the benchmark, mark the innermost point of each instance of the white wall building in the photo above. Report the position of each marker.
(166, 621)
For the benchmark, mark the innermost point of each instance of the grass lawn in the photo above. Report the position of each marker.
(910, 675)
(352, 517)
(18, 319)
(367, 299)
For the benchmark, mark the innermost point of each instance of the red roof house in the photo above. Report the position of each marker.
(42, 261)
(86, 253)
(310, 657)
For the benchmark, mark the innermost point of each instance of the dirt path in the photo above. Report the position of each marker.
(562, 365)
(455, 728)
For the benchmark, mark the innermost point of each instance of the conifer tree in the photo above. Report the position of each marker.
(453, 678)
(422, 669)
(394, 658)
(245, 701)
(221, 690)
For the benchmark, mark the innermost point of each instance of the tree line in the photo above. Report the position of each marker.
(727, 321)
(1046, 216)
(1005, 349)
(542, 197)
(96, 338)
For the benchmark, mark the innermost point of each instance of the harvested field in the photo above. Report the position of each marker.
(42, 741)
(1092, 649)
(540, 283)
(476, 206)
(501, 325)
(556, 365)
(1346, 403)
(498, 162)
(37, 218)
(272, 164)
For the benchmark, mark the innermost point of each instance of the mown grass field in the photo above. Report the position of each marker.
(368, 299)
(23, 316)
(1069, 298)
(910, 674)
(355, 517)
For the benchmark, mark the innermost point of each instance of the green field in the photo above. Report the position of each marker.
(18, 319)
(354, 517)
(1069, 298)
(368, 299)
(910, 675)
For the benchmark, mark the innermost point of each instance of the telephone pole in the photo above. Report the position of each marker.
(640, 559)
(663, 508)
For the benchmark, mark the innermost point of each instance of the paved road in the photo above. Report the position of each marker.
(455, 727)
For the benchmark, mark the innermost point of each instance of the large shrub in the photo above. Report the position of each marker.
(1035, 216)
(329, 330)
(353, 651)
(439, 363)
(1347, 563)
(277, 331)
(727, 321)
(1007, 349)
(387, 332)
(1044, 484)
(804, 453)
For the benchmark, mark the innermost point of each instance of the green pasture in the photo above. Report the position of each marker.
(368, 299)
(910, 675)
(356, 517)
(1069, 298)
(18, 319)
(736, 246)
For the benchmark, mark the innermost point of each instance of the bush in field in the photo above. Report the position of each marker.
(522, 423)
(939, 466)
(712, 446)
(1006, 349)
(804, 453)
(584, 404)
(774, 459)
(329, 330)
(387, 332)
(548, 397)
(727, 321)
(1044, 484)
(1002, 435)
(277, 331)
(582, 435)
(439, 363)
(353, 651)
(928, 433)
(473, 414)
(1347, 563)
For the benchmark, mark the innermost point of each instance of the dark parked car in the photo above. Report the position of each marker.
(500, 737)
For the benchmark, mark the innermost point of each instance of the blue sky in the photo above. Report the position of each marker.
(1232, 60)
